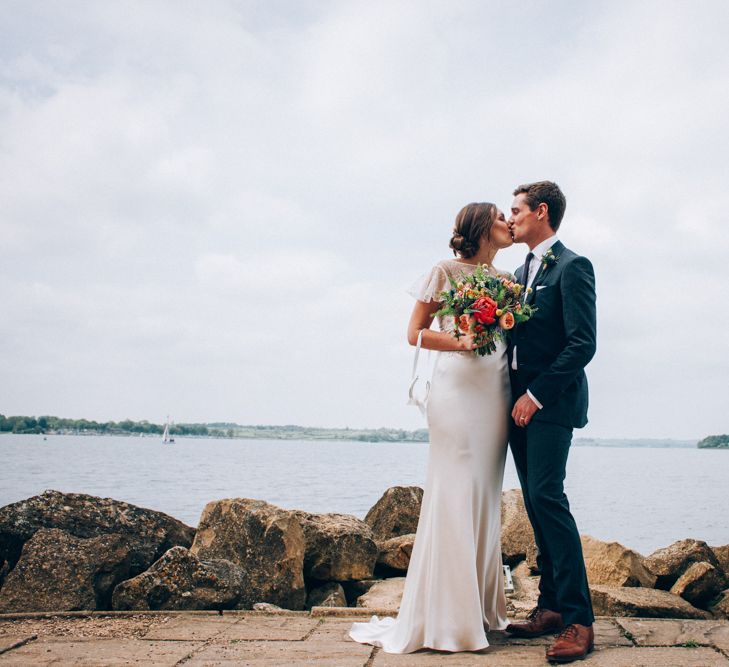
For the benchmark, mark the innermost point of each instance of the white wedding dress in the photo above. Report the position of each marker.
(454, 591)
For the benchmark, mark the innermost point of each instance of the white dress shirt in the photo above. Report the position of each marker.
(539, 252)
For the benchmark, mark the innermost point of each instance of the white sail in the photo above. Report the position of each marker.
(166, 435)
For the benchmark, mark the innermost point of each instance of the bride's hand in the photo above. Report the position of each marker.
(466, 343)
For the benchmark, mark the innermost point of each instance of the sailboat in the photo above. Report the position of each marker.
(166, 435)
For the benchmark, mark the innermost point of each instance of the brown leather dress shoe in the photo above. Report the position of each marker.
(539, 622)
(573, 643)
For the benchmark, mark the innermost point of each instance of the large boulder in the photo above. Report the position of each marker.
(396, 512)
(152, 533)
(265, 540)
(395, 553)
(517, 536)
(59, 572)
(385, 594)
(181, 581)
(699, 584)
(641, 602)
(612, 564)
(669, 563)
(328, 595)
(339, 547)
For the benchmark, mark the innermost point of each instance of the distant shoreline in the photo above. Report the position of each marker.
(361, 436)
(47, 425)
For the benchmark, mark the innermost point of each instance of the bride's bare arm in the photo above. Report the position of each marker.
(422, 318)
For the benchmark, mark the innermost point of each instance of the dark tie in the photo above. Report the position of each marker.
(525, 272)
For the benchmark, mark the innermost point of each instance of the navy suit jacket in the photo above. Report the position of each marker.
(559, 340)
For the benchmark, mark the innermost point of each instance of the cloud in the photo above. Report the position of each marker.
(268, 275)
(214, 212)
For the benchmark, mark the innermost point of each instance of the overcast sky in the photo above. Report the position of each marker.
(213, 210)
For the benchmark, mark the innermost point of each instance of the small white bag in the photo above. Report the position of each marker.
(420, 403)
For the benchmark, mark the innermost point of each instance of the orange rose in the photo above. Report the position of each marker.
(506, 321)
(464, 323)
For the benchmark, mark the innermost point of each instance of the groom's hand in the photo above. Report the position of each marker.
(524, 410)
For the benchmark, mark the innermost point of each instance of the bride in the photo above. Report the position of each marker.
(454, 588)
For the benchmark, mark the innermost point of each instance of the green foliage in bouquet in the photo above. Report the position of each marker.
(484, 306)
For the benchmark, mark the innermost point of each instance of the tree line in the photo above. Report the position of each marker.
(714, 442)
(50, 424)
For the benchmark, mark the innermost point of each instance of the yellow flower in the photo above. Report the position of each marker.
(499, 312)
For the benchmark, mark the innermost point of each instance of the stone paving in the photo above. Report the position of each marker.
(287, 639)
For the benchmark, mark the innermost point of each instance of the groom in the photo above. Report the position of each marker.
(547, 357)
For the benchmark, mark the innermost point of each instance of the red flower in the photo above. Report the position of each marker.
(485, 310)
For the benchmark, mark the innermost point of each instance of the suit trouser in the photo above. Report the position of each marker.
(540, 453)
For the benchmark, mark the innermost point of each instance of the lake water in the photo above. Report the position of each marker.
(644, 498)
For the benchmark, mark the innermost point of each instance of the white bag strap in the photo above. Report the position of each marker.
(412, 398)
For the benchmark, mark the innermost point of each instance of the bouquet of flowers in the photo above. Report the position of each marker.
(485, 306)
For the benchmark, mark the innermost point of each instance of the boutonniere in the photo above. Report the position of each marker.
(549, 259)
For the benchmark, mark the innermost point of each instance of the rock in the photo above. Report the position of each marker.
(59, 572)
(396, 512)
(612, 564)
(180, 581)
(670, 563)
(699, 584)
(385, 594)
(85, 516)
(641, 602)
(339, 547)
(722, 555)
(395, 552)
(720, 606)
(354, 589)
(328, 595)
(265, 606)
(526, 589)
(531, 559)
(517, 536)
(265, 540)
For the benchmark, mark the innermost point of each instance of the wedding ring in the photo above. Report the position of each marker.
(523, 419)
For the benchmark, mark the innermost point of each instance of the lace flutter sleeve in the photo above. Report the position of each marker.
(429, 286)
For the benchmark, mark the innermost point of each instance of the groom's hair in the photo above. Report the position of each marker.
(545, 192)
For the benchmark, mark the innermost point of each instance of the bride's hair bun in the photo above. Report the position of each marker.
(462, 246)
(472, 223)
